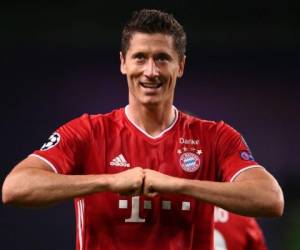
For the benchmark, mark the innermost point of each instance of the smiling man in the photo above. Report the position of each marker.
(152, 67)
(146, 176)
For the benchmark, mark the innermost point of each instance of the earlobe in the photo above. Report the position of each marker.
(122, 64)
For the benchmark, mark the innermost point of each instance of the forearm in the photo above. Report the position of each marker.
(234, 198)
(251, 198)
(254, 192)
(37, 187)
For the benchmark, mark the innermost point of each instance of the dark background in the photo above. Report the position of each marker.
(59, 61)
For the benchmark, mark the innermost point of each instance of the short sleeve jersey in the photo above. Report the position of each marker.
(190, 148)
(237, 232)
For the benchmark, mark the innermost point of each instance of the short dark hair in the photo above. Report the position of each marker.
(152, 21)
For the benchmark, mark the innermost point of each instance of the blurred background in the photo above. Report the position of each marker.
(59, 61)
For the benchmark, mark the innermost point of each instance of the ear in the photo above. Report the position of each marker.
(181, 67)
(122, 64)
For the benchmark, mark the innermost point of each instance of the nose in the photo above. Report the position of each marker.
(151, 69)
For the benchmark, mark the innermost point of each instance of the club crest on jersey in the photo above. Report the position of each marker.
(52, 141)
(189, 159)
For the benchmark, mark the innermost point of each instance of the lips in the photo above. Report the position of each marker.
(151, 85)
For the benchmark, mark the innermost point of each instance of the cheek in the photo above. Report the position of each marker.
(172, 77)
(134, 73)
(132, 83)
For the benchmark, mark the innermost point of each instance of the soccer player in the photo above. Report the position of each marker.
(146, 176)
(237, 232)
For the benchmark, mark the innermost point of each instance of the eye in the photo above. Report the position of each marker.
(163, 58)
(139, 57)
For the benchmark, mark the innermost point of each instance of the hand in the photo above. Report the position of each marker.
(129, 182)
(156, 182)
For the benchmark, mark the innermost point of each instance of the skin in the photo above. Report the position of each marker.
(152, 67)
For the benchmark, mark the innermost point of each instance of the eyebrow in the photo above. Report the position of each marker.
(137, 54)
(156, 56)
(163, 55)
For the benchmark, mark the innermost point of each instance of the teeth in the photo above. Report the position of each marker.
(151, 85)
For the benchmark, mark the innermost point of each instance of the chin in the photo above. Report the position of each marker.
(151, 101)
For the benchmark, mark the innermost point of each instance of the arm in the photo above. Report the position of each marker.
(32, 183)
(254, 192)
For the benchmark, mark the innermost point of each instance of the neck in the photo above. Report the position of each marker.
(152, 119)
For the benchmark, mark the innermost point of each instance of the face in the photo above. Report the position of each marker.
(152, 67)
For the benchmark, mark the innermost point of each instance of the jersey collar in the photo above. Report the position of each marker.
(145, 133)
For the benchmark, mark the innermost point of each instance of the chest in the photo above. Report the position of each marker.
(181, 154)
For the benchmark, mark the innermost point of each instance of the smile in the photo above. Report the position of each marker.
(151, 85)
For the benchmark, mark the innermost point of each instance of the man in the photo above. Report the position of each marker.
(237, 232)
(146, 176)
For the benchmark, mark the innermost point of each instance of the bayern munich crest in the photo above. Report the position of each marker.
(189, 160)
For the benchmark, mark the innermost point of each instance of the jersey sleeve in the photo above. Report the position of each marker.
(233, 153)
(67, 146)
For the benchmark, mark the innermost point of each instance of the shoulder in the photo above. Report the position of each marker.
(114, 117)
(90, 122)
(209, 125)
(92, 119)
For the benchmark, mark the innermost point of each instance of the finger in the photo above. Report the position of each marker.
(151, 195)
(132, 192)
(148, 189)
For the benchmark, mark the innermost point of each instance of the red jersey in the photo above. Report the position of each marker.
(106, 144)
(236, 232)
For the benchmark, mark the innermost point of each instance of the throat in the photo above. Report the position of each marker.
(151, 122)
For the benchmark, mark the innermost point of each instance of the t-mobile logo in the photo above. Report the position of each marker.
(135, 207)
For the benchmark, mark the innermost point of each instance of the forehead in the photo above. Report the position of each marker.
(151, 43)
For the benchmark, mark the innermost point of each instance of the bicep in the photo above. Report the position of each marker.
(31, 162)
(24, 179)
(262, 189)
(255, 173)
